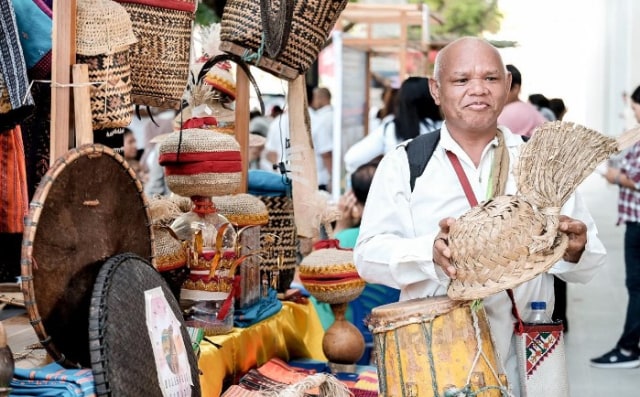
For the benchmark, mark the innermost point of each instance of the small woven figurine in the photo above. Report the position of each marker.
(510, 239)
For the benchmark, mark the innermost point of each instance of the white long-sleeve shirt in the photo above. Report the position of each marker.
(398, 230)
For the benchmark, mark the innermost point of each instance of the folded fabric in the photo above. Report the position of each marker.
(14, 202)
(53, 380)
(33, 18)
(266, 183)
(262, 309)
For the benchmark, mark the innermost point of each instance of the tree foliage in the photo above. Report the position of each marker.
(463, 17)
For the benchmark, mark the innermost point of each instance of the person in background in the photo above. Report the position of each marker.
(415, 113)
(382, 114)
(321, 114)
(541, 102)
(519, 116)
(626, 175)
(132, 154)
(403, 232)
(557, 107)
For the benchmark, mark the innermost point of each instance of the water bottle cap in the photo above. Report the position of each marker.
(538, 305)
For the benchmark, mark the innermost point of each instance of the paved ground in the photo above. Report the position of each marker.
(596, 310)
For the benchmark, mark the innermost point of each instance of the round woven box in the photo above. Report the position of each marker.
(330, 275)
(201, 163)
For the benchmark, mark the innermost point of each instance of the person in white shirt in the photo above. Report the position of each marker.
(415, 113)
(403, 232)
(321, 114)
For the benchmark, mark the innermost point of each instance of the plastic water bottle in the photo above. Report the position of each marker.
(538, 313)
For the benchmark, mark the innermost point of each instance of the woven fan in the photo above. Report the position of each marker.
(510, 239)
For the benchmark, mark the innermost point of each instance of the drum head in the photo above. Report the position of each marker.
(123, 358)
(417, 310)
(88, 207)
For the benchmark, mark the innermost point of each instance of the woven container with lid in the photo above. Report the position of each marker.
(330, 275)
(103, 37)
(201, 163)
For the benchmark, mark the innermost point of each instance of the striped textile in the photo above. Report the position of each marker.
(14, 202)
(13, 70)
(53, 380)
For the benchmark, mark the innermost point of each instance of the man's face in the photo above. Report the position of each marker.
(473, 87)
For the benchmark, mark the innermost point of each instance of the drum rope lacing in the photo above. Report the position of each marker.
(466, 391)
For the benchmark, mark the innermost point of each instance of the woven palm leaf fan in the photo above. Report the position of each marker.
(510, 239)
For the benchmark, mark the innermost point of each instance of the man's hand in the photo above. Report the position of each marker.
(441, 251)
(577, 232)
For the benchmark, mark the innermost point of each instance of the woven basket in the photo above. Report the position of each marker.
(281, 224)
(330, 275)
(307, 24)
(104, 35)
(509, 240)
(201, 163)
(5, 102)
(160, 59)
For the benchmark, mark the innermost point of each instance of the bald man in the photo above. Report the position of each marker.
(403, 234)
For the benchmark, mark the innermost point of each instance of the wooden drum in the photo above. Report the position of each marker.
(434, 346)
(88, 207)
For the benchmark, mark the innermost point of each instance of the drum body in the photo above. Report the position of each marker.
(88, 207)
(428, 347)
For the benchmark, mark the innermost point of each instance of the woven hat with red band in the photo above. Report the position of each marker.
(201, 163)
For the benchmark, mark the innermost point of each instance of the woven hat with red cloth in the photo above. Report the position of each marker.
(201, 163)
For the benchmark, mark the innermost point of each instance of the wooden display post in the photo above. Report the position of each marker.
(242, 124)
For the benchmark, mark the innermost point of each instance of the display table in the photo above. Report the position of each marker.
(294, 332)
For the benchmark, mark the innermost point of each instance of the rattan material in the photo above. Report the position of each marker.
(170, 253)
(88, 207)
(102, 27)
(111, 94)
(312, 20)
(201, 163)
(508, 240)
(122, 355)
(160, 59)
(281, 224)
(330, 275)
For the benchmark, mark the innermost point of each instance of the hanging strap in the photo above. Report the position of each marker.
(276, 26)
(462, 177)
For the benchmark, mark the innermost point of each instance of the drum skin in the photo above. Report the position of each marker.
(88, 207)
(427, 346)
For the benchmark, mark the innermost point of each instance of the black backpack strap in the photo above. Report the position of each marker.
(419, 152)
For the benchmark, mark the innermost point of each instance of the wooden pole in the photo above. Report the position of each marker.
(63, 56)
(82, 104)
(242, 124)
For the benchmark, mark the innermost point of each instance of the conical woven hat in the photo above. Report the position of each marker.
(103, 27)
(509, 240)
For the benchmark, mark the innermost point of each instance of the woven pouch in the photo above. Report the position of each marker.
(160, 58)
(104, 35)
(283, 38)
(201, 163)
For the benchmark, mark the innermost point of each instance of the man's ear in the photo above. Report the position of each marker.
(434, 90)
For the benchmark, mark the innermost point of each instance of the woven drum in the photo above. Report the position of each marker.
(201, 163)
(104, 35)
(330, 275)
(509, 240)
(304, 33)
(248, 213)
(160, 59)
(281, 224)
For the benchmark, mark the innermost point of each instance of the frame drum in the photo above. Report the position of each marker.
(88, 207)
